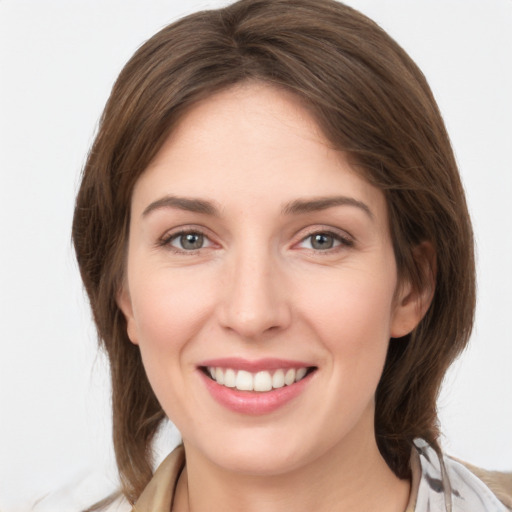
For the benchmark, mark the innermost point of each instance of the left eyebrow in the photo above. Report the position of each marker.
(182, 203)
(323, 203)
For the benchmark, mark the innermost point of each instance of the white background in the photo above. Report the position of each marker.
(58, 60)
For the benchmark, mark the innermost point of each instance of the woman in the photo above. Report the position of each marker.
(275, 242)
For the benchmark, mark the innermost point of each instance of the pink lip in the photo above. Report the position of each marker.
(253, 402)
(257, 365)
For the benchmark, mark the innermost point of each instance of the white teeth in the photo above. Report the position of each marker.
(244, 381)
(289, 378)
(301, 372)
(261, 381)
(278, 379)
(230, 378)
(219, 375)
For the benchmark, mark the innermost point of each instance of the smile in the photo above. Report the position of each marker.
(261, 381)
(255, 387)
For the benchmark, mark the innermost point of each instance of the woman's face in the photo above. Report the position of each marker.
(258, 256)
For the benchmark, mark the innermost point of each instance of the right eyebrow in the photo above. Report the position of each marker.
(323, 203)
(182, 203)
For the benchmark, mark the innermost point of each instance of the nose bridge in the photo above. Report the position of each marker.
(254, 298)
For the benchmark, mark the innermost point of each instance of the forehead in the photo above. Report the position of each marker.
(255, 143)
(260, 118)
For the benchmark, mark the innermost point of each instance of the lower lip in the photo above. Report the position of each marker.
(254, 403)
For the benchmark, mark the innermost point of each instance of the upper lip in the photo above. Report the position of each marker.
(266, 364)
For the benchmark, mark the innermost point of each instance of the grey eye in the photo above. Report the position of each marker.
(322, 241)
(189, 241)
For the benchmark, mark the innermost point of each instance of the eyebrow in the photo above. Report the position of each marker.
(182, 203)
(323, 203)
(295, 207)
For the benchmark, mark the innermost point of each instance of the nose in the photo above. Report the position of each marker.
(254, 301)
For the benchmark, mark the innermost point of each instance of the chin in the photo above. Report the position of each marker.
(268, 453)
(269, 462)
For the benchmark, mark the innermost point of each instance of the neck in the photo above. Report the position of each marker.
(342, 479)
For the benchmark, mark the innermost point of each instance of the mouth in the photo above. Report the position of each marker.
(256, 387)
(260, 381)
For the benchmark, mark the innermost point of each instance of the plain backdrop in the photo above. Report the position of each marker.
(58, 61)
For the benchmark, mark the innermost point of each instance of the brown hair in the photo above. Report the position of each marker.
(372, 101)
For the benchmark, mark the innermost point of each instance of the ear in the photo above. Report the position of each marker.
(124, 303)
(411, 304)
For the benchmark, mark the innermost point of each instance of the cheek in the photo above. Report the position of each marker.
(354, 307)
(168, 314)
(168, 309)
(352, 318)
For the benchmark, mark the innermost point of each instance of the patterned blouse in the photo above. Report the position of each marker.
(439, 484)
(442, 484)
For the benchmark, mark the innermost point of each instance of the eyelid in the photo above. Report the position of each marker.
(171, 234)
(344, 238)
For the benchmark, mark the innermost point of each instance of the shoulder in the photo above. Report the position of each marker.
(497, 482)
(449, 484)
(159, 493)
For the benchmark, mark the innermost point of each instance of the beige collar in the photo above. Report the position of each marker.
(159, 493)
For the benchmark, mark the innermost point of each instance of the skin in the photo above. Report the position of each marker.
(259, 288)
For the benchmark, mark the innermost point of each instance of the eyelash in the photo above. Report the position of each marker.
(166, 240)
(339, 241)
(343, 241)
